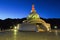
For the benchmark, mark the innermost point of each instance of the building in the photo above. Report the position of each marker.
(34, 23)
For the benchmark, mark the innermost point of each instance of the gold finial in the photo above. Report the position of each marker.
(33, 7)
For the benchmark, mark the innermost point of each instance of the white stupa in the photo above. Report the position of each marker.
(34, 23)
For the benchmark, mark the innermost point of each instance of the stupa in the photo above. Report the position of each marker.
(34, 23)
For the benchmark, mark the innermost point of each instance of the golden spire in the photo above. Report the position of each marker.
(33, 9)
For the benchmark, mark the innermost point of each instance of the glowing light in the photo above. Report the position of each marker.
(15, 30)
(55, 27)
(14, 27)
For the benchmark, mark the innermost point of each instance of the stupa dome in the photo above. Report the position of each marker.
(33, 15)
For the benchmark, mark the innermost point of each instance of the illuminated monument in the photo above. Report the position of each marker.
(34, 23)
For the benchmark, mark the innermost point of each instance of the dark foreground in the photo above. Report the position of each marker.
(16, 35)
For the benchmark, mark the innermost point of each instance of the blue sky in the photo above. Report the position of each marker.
(22, 8)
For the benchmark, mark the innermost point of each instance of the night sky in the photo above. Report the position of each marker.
(22, 8)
